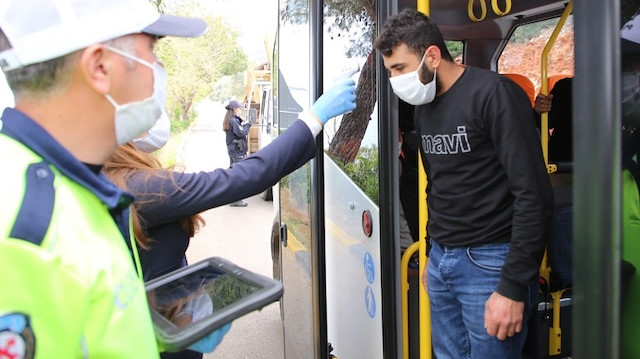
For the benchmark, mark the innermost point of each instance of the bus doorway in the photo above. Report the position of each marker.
(336, 251)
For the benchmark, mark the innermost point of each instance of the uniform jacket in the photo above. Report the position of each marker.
(70, 288)
(237, 137)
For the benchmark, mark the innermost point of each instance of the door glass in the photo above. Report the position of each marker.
(351, 174)
(524, 50)
(293, 96)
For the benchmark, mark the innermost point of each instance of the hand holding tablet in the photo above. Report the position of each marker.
(192, 302)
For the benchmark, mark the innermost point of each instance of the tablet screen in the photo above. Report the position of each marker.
(198, 295)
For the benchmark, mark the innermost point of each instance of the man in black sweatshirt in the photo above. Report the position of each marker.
(489, 196)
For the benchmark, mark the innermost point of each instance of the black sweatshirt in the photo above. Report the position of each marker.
(487, 182)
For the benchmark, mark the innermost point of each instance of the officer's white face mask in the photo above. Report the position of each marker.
(135, 118)
(157, 136)
(411, 90)
(631, 98)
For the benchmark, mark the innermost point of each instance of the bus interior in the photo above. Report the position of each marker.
(352, 286)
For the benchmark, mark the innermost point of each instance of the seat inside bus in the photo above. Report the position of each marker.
(525, 83)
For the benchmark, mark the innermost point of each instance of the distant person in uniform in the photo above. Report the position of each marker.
(236, 130)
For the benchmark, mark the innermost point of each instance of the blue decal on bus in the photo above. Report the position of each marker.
(370, 301)
(369, 268)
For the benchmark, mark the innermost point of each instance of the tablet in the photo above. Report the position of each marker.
(191, 302)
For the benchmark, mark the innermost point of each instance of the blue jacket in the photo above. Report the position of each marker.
(197, 192)
(237, 137)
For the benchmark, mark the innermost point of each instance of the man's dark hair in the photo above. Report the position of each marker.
(414, 29)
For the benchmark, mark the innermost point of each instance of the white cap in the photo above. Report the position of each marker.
(41, 30)
(630, 34)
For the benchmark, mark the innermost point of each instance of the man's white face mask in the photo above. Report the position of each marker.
(157, 136)
(631, 98)
(135, 118)
(410, 89)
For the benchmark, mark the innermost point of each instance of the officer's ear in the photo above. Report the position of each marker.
(97, 68)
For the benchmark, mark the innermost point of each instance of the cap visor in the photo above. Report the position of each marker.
(169, 25)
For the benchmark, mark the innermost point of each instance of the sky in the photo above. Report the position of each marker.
(252, 18)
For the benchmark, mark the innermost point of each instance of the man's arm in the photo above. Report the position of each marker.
(518, 149)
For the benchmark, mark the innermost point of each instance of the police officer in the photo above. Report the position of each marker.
(85, 80)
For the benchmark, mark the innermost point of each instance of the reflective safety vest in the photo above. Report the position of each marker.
(630, 318)
(69, 287)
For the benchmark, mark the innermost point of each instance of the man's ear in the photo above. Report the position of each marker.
(96, 68)
(433, 56)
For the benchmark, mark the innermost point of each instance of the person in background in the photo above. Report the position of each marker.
(85, 80)
(630, 94)
(236, 130)
(168, 203)
(489, 196)
(560, 120)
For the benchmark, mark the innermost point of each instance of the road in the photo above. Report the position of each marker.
(238, 234)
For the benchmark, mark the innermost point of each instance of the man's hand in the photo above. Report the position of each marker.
(425, 275)
(503, 316)
(211, 341)
(543, 103)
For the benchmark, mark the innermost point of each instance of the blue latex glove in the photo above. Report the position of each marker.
(339, 99)
(211, 341)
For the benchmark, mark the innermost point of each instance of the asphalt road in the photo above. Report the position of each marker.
(238, 234)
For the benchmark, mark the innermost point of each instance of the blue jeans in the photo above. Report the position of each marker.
(460, 281)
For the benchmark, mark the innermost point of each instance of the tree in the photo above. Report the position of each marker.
(195, 64)
(342, 17)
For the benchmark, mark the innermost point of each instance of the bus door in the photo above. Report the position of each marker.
(360, 193)
(338, 249)
(293, 262)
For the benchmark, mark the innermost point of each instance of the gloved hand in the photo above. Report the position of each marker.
(337, 100)
(211, 341)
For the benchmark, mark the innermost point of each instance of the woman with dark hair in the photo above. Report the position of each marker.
(237, 132)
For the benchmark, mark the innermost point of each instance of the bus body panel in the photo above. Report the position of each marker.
(354, 297)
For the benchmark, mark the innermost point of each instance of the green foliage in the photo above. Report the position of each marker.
(364, 171)
(455, 48)
(194, 64)
(227, 289)
(528, 32)
(168, 154)
(228, 87)
(295, 12)
(353, 20)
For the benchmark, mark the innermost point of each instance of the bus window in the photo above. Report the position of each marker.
(523, 51)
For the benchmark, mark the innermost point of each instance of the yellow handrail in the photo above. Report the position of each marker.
(544, 118)
(483, 9)
(404, 288)
(423, 299)
(496, 9)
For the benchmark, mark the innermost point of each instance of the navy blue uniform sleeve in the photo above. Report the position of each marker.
(518, 149)
(192, 193)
